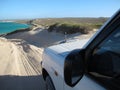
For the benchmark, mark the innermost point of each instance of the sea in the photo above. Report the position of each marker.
(7, 27)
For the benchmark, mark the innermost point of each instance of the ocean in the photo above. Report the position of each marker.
(7, 27)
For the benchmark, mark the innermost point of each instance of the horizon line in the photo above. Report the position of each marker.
(49, 18)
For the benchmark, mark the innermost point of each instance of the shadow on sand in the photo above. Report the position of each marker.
(22, 83)
(41, 38)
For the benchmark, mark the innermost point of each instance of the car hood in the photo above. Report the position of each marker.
(64, 49)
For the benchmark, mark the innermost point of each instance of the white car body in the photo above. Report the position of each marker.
(53, 60)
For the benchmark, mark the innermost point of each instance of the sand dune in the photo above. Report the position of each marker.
(43, 38)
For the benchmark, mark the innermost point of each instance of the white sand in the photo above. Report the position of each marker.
(20, 66)
(16, 54)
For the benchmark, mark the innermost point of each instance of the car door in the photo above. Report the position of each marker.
(104, 63)
(102, 57)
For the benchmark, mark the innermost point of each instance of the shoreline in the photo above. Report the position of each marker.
(17, 30)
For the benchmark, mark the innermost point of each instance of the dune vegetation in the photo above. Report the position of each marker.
(66, 25)
(71, 25)
(73, 28)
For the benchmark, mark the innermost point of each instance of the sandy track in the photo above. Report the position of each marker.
(20, 66)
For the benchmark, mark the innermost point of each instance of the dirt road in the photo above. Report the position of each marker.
(20, 66)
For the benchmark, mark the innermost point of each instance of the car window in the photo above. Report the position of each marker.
(112, 43)
(105, 61)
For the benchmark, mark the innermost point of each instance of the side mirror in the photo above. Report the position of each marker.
(74, 67)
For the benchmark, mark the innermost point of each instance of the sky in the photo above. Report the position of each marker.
(31, 9)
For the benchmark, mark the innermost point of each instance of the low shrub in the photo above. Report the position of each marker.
(69, 28)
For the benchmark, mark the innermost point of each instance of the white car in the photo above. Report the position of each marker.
(86, 64)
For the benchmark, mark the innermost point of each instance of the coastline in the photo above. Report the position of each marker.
(16, 31)
(27, 27)
(33, 27)
(19, 30)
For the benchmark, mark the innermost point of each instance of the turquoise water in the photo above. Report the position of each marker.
(7, 27)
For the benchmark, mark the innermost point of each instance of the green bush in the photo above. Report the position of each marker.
(52, 27)
(68, 28)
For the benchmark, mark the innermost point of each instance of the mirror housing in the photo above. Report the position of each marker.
(74, 67)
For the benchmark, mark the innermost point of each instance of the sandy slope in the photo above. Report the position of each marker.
(20, 66)
(43, 38)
